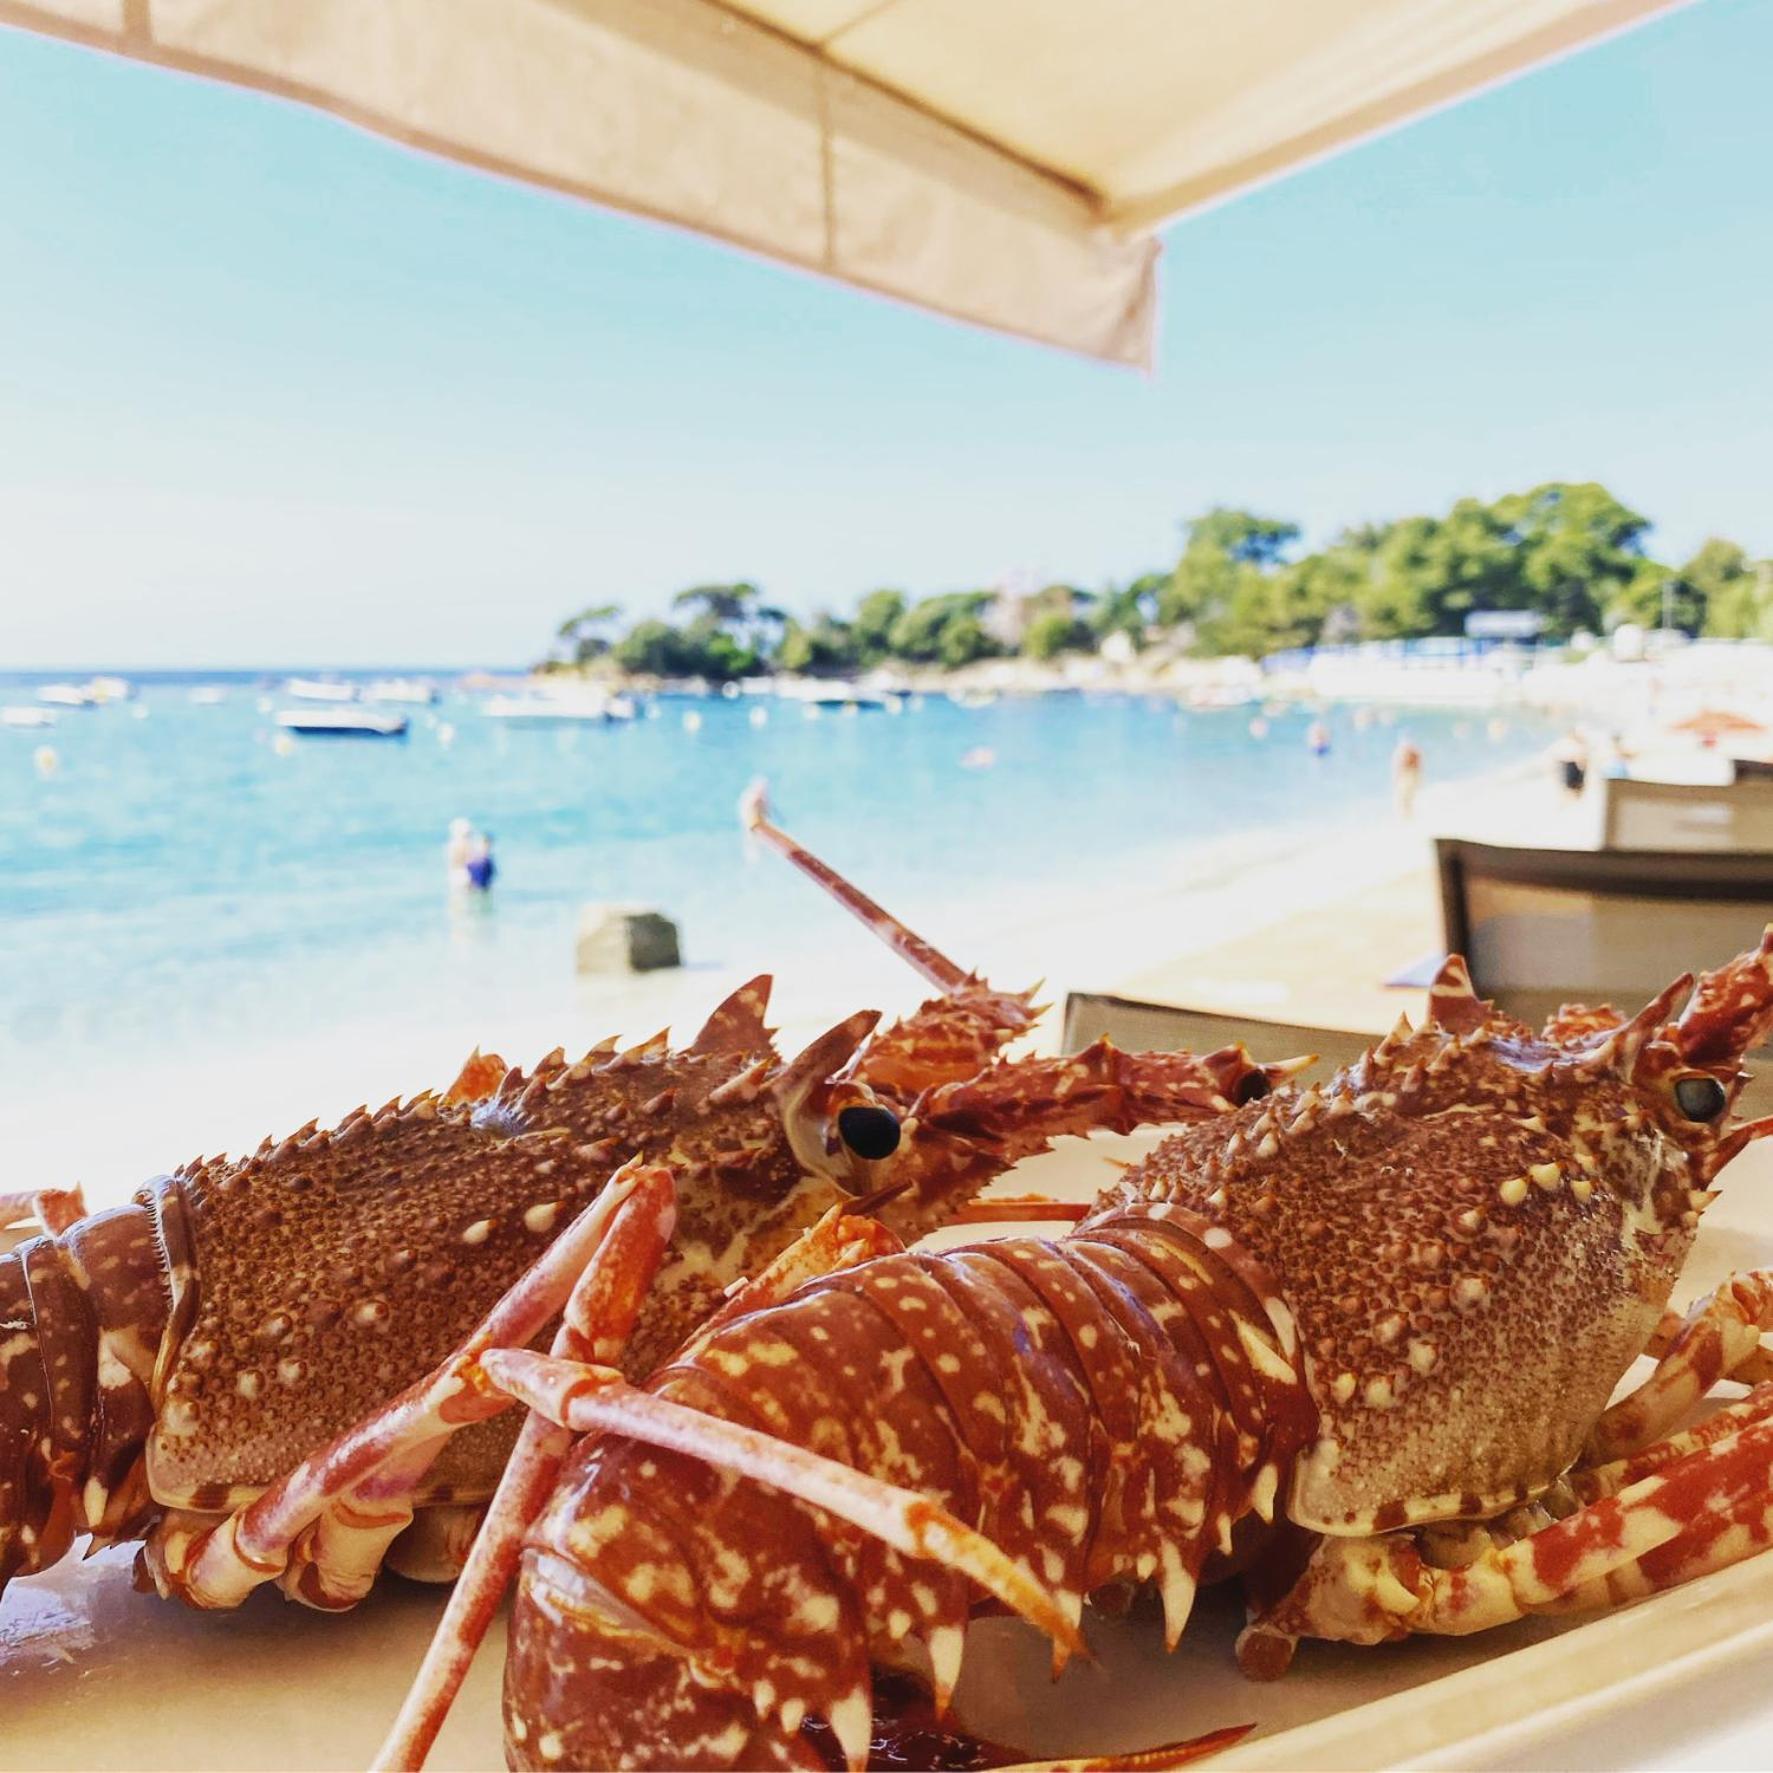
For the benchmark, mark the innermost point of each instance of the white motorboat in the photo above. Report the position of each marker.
(580, 710)
(110, 689)
(23, 717)
(320, 689)
(814, 693)
(67, 695)
(416, 692)
(342, 723)
(208, 695)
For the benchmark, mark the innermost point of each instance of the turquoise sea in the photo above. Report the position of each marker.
(180, 884)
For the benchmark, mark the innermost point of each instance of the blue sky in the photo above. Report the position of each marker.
(273, 390)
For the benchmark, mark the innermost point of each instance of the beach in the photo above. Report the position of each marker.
(1299, 919)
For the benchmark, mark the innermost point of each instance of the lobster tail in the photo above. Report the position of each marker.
(81, 1316)
(1102, 1409)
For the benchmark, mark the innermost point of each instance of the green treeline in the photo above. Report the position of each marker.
(1570, 552)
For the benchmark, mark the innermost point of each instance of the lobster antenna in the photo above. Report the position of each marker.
(754, 815)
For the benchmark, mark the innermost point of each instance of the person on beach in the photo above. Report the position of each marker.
(1616, 762)
(1406, 775)
(1570, 759)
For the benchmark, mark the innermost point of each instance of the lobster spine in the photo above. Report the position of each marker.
(1104, 1408)
(81, 1320)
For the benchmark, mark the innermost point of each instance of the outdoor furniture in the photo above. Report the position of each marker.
(1540, 928)
(1734, 815)
(1137, 1026)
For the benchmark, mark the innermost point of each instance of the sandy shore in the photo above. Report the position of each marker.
(1294, 924)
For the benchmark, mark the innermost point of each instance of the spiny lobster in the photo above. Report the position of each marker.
(189, 1368)
(1355, 1343)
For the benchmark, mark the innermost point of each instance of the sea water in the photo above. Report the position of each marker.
(185, 881)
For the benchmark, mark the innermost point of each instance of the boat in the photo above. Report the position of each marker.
(580, 710)
(417, 692)
(320, 689)
(25, 717)
(849, 697)
(110, 689)
(342, 723)
(208, 695)
(67, 695)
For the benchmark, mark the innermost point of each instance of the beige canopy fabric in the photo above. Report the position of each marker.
(1002, 161)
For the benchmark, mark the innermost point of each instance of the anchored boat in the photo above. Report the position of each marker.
(343, 723)
(593, 709)
(320, 689)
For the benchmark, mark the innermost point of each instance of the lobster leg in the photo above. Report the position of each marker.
(590, 1336)
(1710, 1507)
(1721, 1333)
(1589, 1483)
(599, 1317)
(323, 1529)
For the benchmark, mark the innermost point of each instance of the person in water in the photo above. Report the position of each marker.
(456, 852)
(1406, 775)
(1317, 738)
(481, 867)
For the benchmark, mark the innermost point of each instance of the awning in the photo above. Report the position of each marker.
(1002, 161)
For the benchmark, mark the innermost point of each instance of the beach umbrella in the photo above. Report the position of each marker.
(1007, 162)
(1711, 724)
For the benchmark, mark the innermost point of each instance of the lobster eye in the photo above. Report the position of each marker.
(1252, 1088)
(1700, 1098)
(869, 1130)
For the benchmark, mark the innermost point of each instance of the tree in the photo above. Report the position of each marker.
(1243, 536)
(1226, 552)
(1579, 547)
(726, 605)
(655, 649)
(1128, 609)
(1737, 592)
(828, 645)
(944, 630)
(1568, 550)
(1054, 631)
(1427, 574)
(1653, 593)
(873, 627)
(585, 634)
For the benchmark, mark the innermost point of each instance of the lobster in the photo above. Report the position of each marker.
(1353, 1343)
(194, 1369)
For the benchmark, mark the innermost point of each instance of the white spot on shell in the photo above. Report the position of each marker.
(478, 1233)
